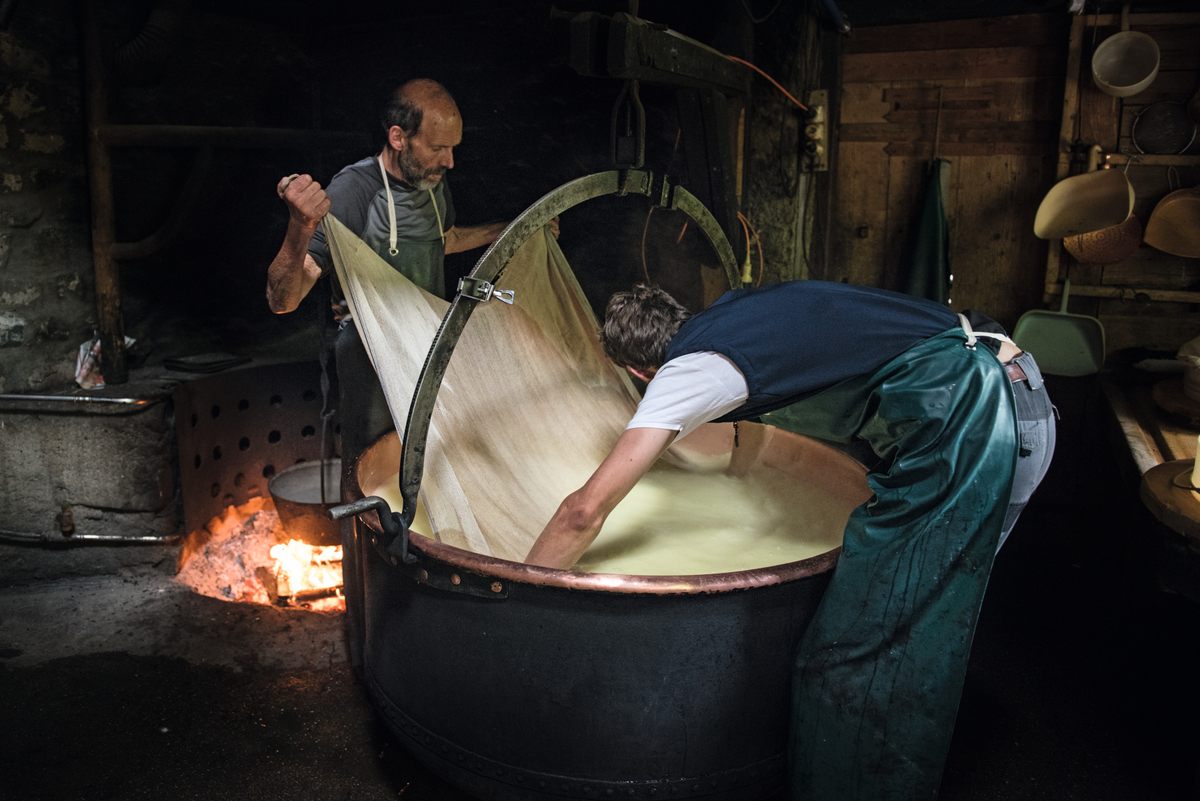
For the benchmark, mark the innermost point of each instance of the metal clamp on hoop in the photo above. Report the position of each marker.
(483, 291)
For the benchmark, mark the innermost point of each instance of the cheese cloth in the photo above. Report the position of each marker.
(529, 404)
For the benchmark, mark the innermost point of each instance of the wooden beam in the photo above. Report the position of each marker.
(1024, 30)
(952, 65)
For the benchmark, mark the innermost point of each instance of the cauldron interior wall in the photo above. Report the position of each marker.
(515, 685)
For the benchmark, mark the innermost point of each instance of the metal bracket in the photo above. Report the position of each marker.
(393, 547)
(395, 526)
(483, 291)
(815, 157)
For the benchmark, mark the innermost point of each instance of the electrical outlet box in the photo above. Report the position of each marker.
(814, 155)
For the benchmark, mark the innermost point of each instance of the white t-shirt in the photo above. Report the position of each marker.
(689, 391)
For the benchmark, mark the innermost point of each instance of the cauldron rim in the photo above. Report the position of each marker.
(506, 569)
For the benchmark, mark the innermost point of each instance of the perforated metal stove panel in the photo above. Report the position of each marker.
(238, 428)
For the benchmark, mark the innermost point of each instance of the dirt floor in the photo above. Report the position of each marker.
(1082, 685)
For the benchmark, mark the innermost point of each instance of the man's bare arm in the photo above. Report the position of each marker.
(293, 272)
(582, 513)
(468, 237)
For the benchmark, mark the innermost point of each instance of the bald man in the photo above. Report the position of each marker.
(399, 203)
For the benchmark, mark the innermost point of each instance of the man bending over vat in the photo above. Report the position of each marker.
(964, 431)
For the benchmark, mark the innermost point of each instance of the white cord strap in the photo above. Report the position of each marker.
(970, 332)
(438, 213)
(387, 187)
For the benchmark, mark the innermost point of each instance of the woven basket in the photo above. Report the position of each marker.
(1107, 245)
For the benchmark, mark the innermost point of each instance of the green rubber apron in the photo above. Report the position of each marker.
(879, 671)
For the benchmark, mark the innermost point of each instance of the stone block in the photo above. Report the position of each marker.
(49, 143)
(12, 330)
(87, 473)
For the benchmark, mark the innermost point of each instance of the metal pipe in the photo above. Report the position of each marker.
(72, 404)
(88, 539)
(106, 269)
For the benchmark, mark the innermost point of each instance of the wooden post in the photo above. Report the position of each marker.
(106, 269)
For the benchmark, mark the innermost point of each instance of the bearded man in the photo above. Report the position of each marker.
(398, 201)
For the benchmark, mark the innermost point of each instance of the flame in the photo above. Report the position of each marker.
(238, 556)
(300, 567)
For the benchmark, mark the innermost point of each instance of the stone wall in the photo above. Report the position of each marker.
(46, 306)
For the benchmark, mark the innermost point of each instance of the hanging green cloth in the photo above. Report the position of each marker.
(880, 669)
(926, 271)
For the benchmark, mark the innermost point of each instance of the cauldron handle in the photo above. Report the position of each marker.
(395, 527)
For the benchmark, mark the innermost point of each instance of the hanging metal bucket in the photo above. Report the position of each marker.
(303, 512)
(1125, 63)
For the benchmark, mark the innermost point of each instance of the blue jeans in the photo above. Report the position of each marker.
(1036, 436)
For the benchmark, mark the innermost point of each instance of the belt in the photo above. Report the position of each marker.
(1015, 372)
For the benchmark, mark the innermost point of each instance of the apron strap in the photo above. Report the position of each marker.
(387, 187)
(970, 332)
(438, 213)
(391, 204)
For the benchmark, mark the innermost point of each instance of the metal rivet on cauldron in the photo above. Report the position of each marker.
(497, 587)
(455, 579)
(424, 575)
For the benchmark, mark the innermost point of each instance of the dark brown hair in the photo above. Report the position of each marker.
(639, 324)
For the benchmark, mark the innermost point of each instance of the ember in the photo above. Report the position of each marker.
(245, 555)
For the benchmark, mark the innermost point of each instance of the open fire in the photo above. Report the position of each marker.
(245, 555)
(306, 572)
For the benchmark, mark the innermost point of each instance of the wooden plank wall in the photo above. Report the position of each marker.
(1000, 81)
(1131, 320)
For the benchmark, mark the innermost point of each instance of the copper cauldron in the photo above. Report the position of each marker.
(519, 682)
